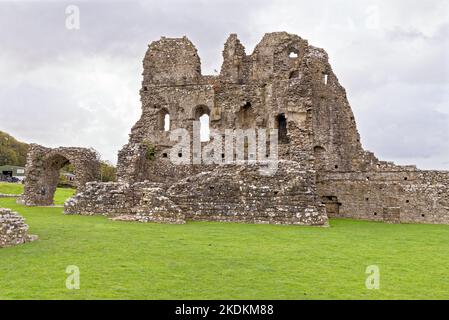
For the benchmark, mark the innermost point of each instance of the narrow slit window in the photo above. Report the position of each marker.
(167, 122)
(282, 128)
(204, 128)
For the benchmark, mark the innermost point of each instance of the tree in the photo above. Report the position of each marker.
(12, 152)
(108, 171)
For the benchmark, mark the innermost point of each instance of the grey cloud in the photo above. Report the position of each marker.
(395, 72)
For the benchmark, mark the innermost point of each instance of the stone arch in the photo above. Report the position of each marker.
(164, 120)
(202, 114)
(293, 53)
(200, 110)
(42, 171)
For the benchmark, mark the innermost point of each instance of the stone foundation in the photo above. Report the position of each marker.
(230, 193)
(241, 194)
(142, 201)
(13, 230)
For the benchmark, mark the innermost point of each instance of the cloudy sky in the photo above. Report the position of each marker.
(69, 87)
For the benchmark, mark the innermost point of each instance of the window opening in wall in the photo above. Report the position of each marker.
(282, 128)
(167, 122)
(204, 128)
(294, 74)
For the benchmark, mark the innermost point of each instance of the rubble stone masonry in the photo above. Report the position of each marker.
(285, 84)
(13, 230)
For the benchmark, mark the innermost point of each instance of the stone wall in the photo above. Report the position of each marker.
(241, 194)
(228, 193)
(142, 201)
(284, 84)
(43, 168)
(13, 230)
(419, 196)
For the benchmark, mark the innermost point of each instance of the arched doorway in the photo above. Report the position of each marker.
(43, 171)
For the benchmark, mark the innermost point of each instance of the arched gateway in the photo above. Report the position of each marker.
(42, 171)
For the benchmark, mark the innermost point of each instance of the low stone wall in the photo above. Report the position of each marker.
(228, 193)
(409, 196)
(142, 201)
(242, 194)
(13, 230)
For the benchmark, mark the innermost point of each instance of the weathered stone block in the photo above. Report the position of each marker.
(13, 230)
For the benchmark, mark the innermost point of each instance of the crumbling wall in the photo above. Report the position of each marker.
(252, 91)
(13, 229)
(284, 79)
(284, 84)
(419, 196)
(171, 62)
(228, 193)
(42, 171)
(142, 201)
(241, 194)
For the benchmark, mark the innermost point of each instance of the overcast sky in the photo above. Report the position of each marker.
(61, 87)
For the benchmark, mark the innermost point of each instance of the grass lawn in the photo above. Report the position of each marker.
(11, 188)
(209, 260)
(61, 194)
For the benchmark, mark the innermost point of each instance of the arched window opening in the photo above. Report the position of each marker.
(282, 128)
(325, 78)
(204, 128)
(167, 122)
(164, 120)
(319, 150)
(293, 54)
(201, 114)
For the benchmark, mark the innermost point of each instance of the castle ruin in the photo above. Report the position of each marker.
(285, 84)
(42, 171)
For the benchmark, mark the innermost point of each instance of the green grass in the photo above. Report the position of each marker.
(11, 188)
(61, 194)
(207, 260)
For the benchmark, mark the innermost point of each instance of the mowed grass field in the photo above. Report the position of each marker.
(209, 260)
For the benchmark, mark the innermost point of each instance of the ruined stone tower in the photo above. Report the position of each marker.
(285, 84)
